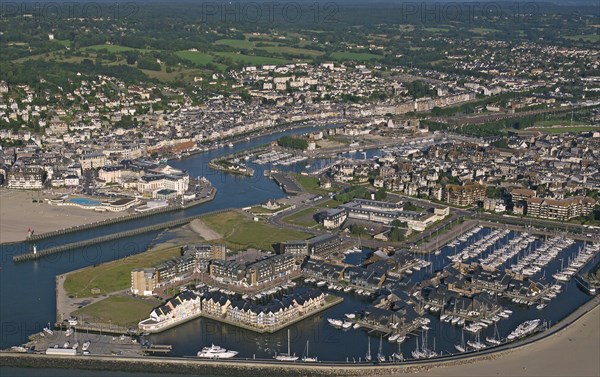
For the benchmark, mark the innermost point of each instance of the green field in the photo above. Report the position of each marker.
(358, 56)
(64, 42)
(237, 43)
(118, 310)
(116, 275)
(558, 122)
(436, 29)
(274, 48)
(585, 37)
(240, 232)
(483, 30)
(291, 51)
(196, 57)
(563, 130)
(113, 48)
(252, 59)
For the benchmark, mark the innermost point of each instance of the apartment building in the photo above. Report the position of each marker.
(25, 178)
(560, 209)
(143, 281)
(300, 249)
(253, 274)
(464, 195)
(92, 160)
(151, 184)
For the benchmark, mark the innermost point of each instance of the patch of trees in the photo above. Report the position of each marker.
(292, 142)
(358, 230)
(418, 89)
(149, 64)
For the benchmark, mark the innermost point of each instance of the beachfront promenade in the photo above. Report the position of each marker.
(115, 220)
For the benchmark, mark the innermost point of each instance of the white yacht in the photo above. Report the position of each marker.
(216, 352)
(86, 346)
(524, 329)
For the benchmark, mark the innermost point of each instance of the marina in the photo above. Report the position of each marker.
(188, 338)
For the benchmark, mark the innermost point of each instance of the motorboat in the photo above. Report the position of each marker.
(216, 352)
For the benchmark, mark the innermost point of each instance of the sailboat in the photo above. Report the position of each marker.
(398, 355)
(417, 354)
(476, 344)
(380, 355)
(461, 347)
(496, 339)
(307, 358)
(288, 356)
(368, 355)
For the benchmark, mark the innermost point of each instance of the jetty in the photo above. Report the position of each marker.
(37, 254)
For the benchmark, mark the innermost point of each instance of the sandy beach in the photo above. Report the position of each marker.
(203, 230)
(18, 213)
(571, 352)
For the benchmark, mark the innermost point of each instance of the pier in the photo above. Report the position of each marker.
(158, 349)
(110, 237)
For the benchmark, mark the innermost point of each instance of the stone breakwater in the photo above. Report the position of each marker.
(220, 368)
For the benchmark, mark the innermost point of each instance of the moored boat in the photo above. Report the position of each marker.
(216, 352)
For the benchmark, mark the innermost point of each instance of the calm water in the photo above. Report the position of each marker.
(27, 290)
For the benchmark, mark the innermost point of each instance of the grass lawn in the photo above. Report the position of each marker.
(260, 210)
(119, 310)
(332, 203)
(311, 184)
(116, 275)
(252, 59)
(240, 232)
(196, 57)
(360, 56)
(304, 217)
